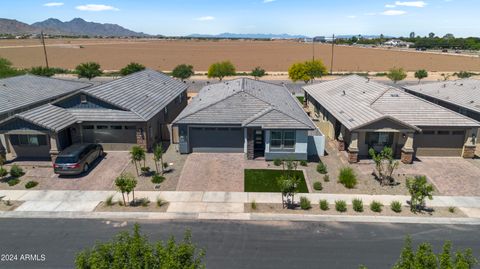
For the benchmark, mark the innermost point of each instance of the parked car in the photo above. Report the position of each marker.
(77, 159)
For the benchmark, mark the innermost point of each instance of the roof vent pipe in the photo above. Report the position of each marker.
(344, 93)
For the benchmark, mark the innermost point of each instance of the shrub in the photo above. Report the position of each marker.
(303, 163)
(109, 200)
(341, 206)
(183, 71)
(253, 205)
(3, 172)
(277, 162)
(357, 205)
(8, 202)
(326, 178)
(145, 170)
(16, 171)
(305, 203)
(318, 186)
(451, 209)
(13, 182)
(120, 202)
(161, 202)
(324, 205)
(144, 202)
(376, 206)
(396, 206)
(131, 68)
(321, 168)
(31, 184)
(157, 179)
(347, 177)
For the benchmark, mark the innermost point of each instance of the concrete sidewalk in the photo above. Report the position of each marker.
(214, 205)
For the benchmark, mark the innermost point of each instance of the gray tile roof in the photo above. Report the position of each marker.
(23, 91)
(464, 93)
(356, 101)
(246, 102)
(145, 93)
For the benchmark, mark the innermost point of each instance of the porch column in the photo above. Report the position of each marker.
(53, 146)
(353, 148)
(470, 145)
(340, 139)
(250, 144)
(3, 151)
(142, 136)
(407, 150)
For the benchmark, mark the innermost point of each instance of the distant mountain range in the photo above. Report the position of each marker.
(76, 27)
(252, 36)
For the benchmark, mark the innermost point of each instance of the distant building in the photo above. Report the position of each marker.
(397, 43)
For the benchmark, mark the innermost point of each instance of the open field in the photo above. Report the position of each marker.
(271, 55)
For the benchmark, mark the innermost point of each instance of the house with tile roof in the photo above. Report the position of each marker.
(134, 110)
(361, 114)
(247, 116)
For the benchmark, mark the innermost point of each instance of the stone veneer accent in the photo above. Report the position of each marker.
(353, 156)
(407, 156)
(142, 136)
(250, 144)
(469, 151)
(341, 145)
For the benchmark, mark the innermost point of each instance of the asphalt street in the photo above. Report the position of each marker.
(234, 244)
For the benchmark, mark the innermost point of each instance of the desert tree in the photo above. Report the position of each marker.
(158, 157)
(298, 72)
(315, 69)
(131, 184)
(288, 182)
(88, 70)
(221, 69)
(131, 68)
(419, 189)
(385, 164)
(307, 71)
(421, 74)
(137, 155)
(122, 185)
(258, 72)
(133, 250)
(396, 74)
(183, 71)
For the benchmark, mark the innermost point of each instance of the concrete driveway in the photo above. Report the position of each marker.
(100, 177)
(215, 172)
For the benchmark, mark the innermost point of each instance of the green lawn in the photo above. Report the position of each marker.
(300, 98)
(265, 180)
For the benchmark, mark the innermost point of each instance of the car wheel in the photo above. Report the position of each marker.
(100, 153)
(85, 168)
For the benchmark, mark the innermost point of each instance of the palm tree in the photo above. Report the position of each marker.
(158, 156)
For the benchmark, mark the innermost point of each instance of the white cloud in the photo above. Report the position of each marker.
(268, 1)
(390, 6)
(411, 4)
(352, 17)
(53, 4)
(93, 7)
(393, 12)
(205, 18)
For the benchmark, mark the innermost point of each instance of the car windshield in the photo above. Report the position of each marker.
(66, 159)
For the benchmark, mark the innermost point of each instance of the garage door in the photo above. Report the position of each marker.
(111, 136)
(439, 143)
(209, 139)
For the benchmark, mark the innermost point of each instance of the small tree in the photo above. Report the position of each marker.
(289, 183)
(137, 154)
(315, 69)
(88, 70)
(385, 165)
(419, 189)
(421, 74)
(134, 251)
(298, 72)
(131, 184)
(396, 74)
(121, 183)
(221, 70)
(158, 157)
(183, 71)
(258, 72)
(42, 71)
(131, 68)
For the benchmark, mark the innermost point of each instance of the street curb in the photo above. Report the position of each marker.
(237, 216)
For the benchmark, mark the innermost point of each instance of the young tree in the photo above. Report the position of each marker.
(258, 72)
(289, 183)
(135, 251)
(42, 71)
(121, 183)
(88, 70)
(297, 72)
(131, 68)
(421, 74)
(131, 184)
(419, 190)
(137, 154)
(396, 74)
(183, 71)
(221, 69)
(158, 156)
(385, 164)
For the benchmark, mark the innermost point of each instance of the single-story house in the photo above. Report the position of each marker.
(247, 116)
(135, 109)
(361, 114)
(461, 96)
(21, 93)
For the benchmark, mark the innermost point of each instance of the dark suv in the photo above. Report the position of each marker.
(77, 159)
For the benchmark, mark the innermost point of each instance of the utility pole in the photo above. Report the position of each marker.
(333, 51)
(44, 49)
(313, 48)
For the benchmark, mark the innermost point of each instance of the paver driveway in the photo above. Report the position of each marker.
(215, 172)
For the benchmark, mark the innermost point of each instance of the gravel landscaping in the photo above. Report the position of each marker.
(151, 207)
(386, 211)
(11, 205)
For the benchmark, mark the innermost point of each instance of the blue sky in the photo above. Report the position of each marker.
(308, 17)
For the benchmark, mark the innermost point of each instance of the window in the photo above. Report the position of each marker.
(83, 98)
(180, 98)
(116, 127)
(87, 127)
(443, 132)
(130, 127)
(458, 133)
(101, 127)
(28, 140)
(165, 110)
(379, 139)
(282, 139)
(429, 132)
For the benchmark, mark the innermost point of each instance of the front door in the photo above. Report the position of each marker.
(259, 143)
